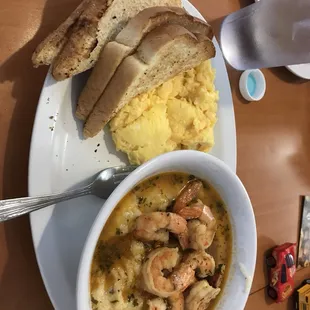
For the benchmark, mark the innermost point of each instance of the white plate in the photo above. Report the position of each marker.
(302, 70)
(60, 159)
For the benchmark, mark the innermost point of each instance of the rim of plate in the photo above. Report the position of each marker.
(301, 70)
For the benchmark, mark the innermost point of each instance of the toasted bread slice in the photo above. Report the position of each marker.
(126, 42)
(99, 23)
(163, 53)
(49, 48)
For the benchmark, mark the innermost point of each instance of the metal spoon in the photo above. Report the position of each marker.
(104, 184)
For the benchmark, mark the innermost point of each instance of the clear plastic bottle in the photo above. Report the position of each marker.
(269, 33)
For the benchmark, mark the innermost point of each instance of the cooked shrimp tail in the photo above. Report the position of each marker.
(206, 215)
(190, 213)
(187, 194)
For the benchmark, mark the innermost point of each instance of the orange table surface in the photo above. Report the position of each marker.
(272, 138)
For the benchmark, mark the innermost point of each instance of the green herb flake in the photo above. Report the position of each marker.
(191, 177)
(94, 301)
(177, 179)
(118, 232)
(130, 297)
(114, 301)
(206, 186)
(135, 302)
(219, 205)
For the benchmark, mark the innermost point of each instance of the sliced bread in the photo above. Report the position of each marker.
(126, 42)
(49, 48)
(99, 23)
(163, 53)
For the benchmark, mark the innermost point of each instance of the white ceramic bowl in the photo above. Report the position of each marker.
(231, 190)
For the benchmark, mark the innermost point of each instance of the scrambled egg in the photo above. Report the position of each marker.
(179, 114)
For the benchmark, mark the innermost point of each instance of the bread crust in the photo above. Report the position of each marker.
(99, 23)
(126, 43)
(50, 47)
(163, 53)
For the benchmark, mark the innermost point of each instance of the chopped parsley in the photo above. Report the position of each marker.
(141, 200)
(136, 188)
(206, 186)
(177, 179)
(130, 297)
(93, 300)
(220, 207)
(191, 177)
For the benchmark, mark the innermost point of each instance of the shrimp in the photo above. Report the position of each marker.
(200, 262)
(175, 302)
(161, 259)
(201, 231)
(199, 210)
(187, 194)
(206, 215)
(156, 226)
(183, 277)
(200, 237)
(200, 295)
(153, 278)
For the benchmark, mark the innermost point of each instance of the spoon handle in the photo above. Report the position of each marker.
(11, 208)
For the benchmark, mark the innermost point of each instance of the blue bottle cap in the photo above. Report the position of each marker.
(252, 85)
